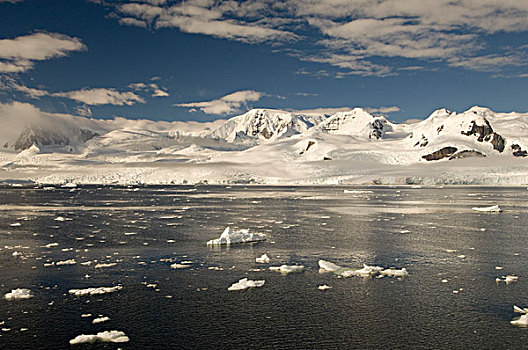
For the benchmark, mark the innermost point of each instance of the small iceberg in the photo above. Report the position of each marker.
(244, 283)
(520, 321)
(100, 319)
(324, 287)
(230, 236)
(507, 279)
(105, 337)
(395, 272)
(491, 209)
(18, 294)
(286, 269)
(366, 271)
(327, 266)
(264, 259)
(94, 290)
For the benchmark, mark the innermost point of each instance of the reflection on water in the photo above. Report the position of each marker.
(145, 230)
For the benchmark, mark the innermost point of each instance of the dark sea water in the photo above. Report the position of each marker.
(192, 309)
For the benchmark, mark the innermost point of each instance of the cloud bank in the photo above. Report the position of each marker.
(225, 105)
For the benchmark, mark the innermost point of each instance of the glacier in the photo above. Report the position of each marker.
(264, 146)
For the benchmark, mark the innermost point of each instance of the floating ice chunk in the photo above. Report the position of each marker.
(179, 266)
(520, 321)
(100, 320)
(490, 209)
(357, 191)
(69, 185)
(18, 294)
(499, 267)
(104, 265)
(324, 287)
(15, 224)
(50, 245)
(286, 269)
(230, 236)
(366, 271)
(94, 290)
(60, 218)
(507, 279)
(264, 259)
(327, 266)
(66, 262)
(462, 256)
(395, 272)
(244, 283)
(106, 337)
(520, 310)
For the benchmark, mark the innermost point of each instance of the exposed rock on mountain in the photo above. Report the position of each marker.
(440, 154)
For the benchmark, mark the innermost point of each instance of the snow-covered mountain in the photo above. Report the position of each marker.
(265, 146)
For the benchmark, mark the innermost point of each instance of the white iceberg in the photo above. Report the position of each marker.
(94, 290)
(244, 283)
(395, 272)
(104, 265)
(507, 279)
(179, 266)
(286, 269)
(520, 321)
(366, 271)
(490, 209)
(18, 294)
(327, 266)
(324, 287)
(66, 262)
(106, 337)
(230, 236)
(101, 319)
(264, 259)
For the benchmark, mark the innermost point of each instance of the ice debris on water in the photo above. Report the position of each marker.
(104, 265)
(490, 209)
(106, 337)
(324, 287)
(520, 321)
(244, 283)
(507, 279)
(286, 269)
(230, 236)
(18, 294)
(101, 319)
(366, 271)
(94, 290)
(263, 259)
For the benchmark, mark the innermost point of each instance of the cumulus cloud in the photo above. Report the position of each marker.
(227, 104)
(20, 53)
(382, 110)
(102, 96)
(358, 37)
(153, 88)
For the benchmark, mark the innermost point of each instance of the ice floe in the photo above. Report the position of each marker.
(106, 337)
(94, 290)
(230, 236)
(104, 265)
(263, 259)
(507, 279)
(244, 283)
(18, 294)
(366, 271)
(324, 287)
(100, 320)
(180, 266)
(490, 209)
(286, 269)
(520, 321)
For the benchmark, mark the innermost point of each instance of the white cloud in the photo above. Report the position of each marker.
(227, 104)
(160, 93)
(359, 37)
(306, 94)
(102, 96)
(382, 110)
(19, 54)
(155, 90)
(84, 111)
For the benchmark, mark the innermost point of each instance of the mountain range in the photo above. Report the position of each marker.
(265, 146)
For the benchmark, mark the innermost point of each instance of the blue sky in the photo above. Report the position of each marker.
(203, 60)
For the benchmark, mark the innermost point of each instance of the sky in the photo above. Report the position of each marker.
(204, 60)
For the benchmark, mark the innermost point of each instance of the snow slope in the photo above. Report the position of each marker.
(265, 146)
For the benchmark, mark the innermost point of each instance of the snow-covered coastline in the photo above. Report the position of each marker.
(267, 147)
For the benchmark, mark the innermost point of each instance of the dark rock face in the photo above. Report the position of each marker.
(310, 144)
(466, 154)
(47, 137)
(485, 133)
(422, 142)
(440, 154)
(518, 151)
(377, 129)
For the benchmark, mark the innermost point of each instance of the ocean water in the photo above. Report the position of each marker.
(144, 230)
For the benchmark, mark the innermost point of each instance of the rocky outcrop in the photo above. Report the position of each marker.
(484, 132)
(518, 151)
(440, 154)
